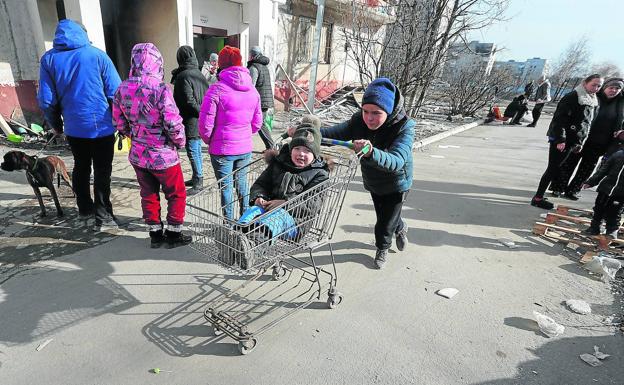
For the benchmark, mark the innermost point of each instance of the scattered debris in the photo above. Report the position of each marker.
(590, 359)
(501, 354)
(600, 355)
(159, 370)
(547, 325)
(578, 306)
(538, 304)
(449, 292)
(43, 344)
(594, 359)
(606, 266)
(437, 156)
(508, 242)
(448, 146)
(543, 215)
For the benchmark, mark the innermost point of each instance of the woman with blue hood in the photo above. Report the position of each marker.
(382, 124)
(77, 82)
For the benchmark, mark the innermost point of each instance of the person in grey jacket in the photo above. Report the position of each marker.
(542, 96)
(261, 79)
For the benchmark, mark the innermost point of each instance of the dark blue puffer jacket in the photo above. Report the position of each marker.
(390, 167)
(77, 81)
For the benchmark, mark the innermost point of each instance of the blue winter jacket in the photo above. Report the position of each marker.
(389, 169)
(77, 81)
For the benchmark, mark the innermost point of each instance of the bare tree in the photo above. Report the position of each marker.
(415, 44)
(607, 69)
(470, 88)
(572, 63)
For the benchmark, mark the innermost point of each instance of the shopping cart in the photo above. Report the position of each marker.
(275, 241)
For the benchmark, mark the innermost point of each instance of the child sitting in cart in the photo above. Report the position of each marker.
(292, 171)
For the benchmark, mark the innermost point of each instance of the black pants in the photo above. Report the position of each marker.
(520, 114)
(537, 111)
(588, 158)
(388, 210)
(552, 173)
(608, 208)
(99, 153)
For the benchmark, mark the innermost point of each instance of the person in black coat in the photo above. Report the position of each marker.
(516, 109)
(605, 127)
(610, 199)
(189, 87)
(567, 131)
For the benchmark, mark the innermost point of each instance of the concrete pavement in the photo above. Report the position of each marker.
(114, 308)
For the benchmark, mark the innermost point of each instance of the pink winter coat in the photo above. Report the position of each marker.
(144, 109)
(230, 113)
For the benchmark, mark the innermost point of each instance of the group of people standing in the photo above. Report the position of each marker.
(222, 105)
(587, 125)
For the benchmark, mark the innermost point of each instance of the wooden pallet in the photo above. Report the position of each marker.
(565, 225)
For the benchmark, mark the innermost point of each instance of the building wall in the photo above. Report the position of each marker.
(234, 17)
(21, 47)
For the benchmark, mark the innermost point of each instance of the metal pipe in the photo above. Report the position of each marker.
(320, 8)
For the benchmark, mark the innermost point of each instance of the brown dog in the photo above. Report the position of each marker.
(40, 173)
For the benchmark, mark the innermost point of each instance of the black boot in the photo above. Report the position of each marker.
(593, 229)
(571, 195)
(189, 182)
(176, 239)
(197, 186)
(542, 203)
(157, 238)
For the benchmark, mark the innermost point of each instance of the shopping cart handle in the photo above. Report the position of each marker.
(334, 142)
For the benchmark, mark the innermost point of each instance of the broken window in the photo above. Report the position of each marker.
(305, 41)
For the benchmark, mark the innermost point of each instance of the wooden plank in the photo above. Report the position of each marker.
(4, 126)
(552, 218)
(565, 210)
(559, 238)
(560, 228)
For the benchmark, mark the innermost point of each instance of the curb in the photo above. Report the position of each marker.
(443, 135)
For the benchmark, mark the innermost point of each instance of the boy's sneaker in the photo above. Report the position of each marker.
(401, 237)
(613, 234)
(177, 239)
(157, 238)
(542, 203)
(106, 227)
(380, 258)
(531, 125)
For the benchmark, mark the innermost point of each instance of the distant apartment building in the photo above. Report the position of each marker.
(526, 71)
(461, 56)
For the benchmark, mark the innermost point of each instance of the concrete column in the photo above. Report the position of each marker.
(21, 47)
(185, 22)
(89, 13)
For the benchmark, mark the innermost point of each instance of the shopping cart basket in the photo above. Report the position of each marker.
(277, 240)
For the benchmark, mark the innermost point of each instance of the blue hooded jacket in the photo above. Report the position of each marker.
(77, 81)
(389, 169)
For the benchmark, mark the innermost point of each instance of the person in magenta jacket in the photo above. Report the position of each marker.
(144, 109)
(230, 114)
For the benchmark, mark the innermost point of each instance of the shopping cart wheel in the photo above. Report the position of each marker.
(334, 300)
(216, 331)
(247, 346)
(278, 272)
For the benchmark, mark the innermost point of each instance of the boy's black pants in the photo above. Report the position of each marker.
(608, 208)
(388, 210)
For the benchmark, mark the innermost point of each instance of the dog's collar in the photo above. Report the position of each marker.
(30, 171)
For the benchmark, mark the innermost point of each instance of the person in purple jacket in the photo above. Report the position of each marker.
(144, 109)
(230, 114)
